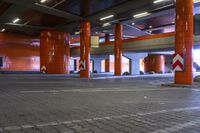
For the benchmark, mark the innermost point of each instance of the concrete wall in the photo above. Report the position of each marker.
(18, 54)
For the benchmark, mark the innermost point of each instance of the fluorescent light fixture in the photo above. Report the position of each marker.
(158, 1)
(42, 1)
(107, 17)
(76, 33)
(106, 24)
(141, 15)
(16, 20)
(3, 30)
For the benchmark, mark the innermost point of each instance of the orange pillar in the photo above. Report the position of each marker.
(67, 52)
(85, 47)
(107, 65)
(118, 49)
(107, 38)
(76, 64)
(184, 39)
(107, 61)
(54, 52)
(155, 63)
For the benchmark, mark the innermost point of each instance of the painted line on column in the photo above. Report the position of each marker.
(56, 123)
(178, 127)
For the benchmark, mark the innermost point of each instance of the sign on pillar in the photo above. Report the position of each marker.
(82, 65)
(178, 62)
(43, 69)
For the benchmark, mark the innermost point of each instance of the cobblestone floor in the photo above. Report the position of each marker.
(60, 104)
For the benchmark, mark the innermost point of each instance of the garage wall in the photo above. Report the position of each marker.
(18, 52)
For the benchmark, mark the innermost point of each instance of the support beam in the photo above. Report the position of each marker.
(135, 61)
(97, 61)
(153, 15)
(136, 30)
(123, 7)
(29, 26)
(184, 39)
(118, 49)
(11, 12)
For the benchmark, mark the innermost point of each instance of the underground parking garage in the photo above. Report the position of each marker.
(99, 66)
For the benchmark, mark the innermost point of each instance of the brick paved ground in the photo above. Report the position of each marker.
(59, 104)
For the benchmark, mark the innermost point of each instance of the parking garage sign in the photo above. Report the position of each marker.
(43, 69)
(178, 62)
(82, 65)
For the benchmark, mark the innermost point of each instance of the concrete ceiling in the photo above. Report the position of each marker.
(65, 15)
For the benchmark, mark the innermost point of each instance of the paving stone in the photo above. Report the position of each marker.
(131, 105)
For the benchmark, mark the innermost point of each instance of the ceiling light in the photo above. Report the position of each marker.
(107, 17)
(106, 24)
(133, 23)
(141, 15)
(16, 20)
(158, 1)
(3, 30)
(150, 31)
(42, 1)
(76, 33)
(150, 26)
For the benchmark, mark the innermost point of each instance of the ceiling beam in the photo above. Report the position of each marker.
(28, 26)
(153, 15)
(123, 7)
(11, 13)
(159, 27)
(44, 9)
(24, 30)
(137, 31)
